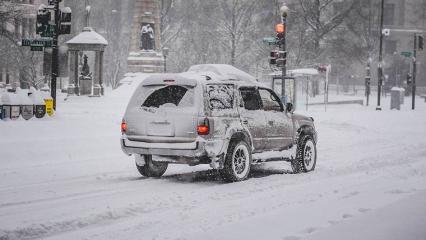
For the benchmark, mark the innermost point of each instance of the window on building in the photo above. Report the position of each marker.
(389, 14)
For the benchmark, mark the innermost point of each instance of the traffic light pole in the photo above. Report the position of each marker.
(380, 69)
(284, 67)
(55, 58)
(414, 73)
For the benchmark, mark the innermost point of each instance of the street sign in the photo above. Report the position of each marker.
(26, 42)
(48, 33)
(406, 54)
(37, 48)
(45, 42)
(270, 40)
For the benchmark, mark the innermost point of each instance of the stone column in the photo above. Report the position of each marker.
(97, 76)
(76, 80)
(73, 73)
(101, 71)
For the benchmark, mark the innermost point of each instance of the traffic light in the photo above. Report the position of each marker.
(322, 69)
(409, 79)
(273, 56)
(280, 31)
(420, 42)
(65, 26)
(282, 58)
(43, 18)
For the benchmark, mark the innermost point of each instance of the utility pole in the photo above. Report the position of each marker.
(380, 67)
(413, 86)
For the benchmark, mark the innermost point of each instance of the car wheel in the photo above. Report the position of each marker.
(306, 156)
(151, 168)
(237, 162)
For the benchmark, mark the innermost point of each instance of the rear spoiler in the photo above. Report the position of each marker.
(169, 79)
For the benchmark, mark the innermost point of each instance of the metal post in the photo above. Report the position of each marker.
(380, 68)
(414, 72)
(284, 68)
(165, 63)
(368, 82)
(55, 58)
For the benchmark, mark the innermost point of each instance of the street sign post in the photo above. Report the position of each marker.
(406, 54)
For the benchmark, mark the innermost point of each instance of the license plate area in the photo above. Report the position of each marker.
(161, 129)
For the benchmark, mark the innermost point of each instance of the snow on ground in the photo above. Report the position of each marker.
(66, 178)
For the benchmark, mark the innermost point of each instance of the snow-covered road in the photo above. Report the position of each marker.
(66, 178)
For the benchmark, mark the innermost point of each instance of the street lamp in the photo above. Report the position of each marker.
(282, 28)
(165, 53)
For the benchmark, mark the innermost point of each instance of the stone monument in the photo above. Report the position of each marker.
(145, 42)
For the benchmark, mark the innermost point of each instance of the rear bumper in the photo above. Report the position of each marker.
(186, 153)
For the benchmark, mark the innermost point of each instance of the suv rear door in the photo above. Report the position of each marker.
(163, 113)
(252, 116)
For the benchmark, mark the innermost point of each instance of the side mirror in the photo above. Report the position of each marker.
(289, 107)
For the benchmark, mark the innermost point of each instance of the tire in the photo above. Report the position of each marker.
(237, 162)
(306, 156)
(151, 168)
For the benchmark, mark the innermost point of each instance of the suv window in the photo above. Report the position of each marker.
(251, 99)
(221, 96)
(171, 96)
(270, 101)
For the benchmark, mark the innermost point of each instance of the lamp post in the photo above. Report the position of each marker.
(380, 68)
(284, 12)
(165, 53)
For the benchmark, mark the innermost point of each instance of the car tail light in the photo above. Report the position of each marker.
(123, 127)
(203, 128)
(168, 81)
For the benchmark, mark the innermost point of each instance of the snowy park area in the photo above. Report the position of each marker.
(65, 177)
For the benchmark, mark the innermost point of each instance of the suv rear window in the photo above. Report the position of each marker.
(220, 96)
(170, 96)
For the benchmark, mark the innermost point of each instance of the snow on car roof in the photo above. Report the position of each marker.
(204, 73)
(226, 72)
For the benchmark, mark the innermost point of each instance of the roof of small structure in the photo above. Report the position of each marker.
(88, 36)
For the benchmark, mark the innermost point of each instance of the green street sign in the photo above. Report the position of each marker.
(37, 48)
(48, 33)
(26, 42)
(45, 42)
(406, 54)
(270, 40)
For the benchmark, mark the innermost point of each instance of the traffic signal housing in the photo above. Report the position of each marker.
(65, 21)
(409, 79)
(43, 18)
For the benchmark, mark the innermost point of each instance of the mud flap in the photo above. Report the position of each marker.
(140, 160)
(218, 162)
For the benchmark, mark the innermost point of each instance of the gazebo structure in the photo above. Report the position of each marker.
(82, 81)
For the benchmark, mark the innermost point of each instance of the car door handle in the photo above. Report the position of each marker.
(245, 122)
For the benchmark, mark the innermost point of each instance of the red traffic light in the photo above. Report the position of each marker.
(280, 28)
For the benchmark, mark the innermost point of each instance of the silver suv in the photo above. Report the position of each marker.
(217, 115)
